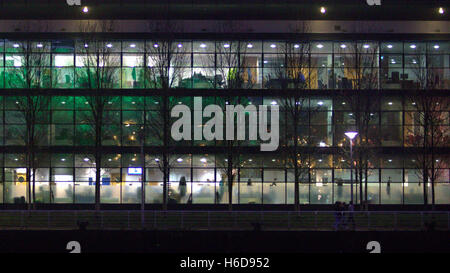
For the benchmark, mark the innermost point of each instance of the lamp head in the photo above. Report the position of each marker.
(351, 135)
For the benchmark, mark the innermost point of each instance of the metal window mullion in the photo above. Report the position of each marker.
(262, 184)
(285, 185)
(238, 183)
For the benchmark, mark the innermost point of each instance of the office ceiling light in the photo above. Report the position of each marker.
(86, 45)
(390, 103)
(323, 10)
(265, 62)
(273, 103)
(63, 159)
(203, 46)
(441, 10)
(109, 45)
(203, 160)
(319, 46)
(180, 45)
(343, 46)
(250, 46)
(133, 45)
(86, 159)
(155, 45)
(366, 46)
(226, 45)
(180, 160)
(413, 46)
(15, 45)
(296, 46)
(436, 46)
(39, 45)
(320, 103)
(157, 159)
(390, 46)
(273, 46)
(85, 9)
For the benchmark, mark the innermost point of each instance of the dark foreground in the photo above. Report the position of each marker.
(224, 241)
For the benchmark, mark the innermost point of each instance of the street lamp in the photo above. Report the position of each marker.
(351, 136)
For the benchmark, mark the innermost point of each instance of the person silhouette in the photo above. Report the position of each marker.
(274, 183)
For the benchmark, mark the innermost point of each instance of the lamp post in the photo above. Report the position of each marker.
(351, 136)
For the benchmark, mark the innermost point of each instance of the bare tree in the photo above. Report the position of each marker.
(98, 73)
(165, 60)
(358, 91)
(428, 132)
(429, 120)
(34, 73)
(291, 73)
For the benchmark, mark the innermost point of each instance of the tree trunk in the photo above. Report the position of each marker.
(33, 177)
(230, 177)
(165, 179)
(29, 180)
(296, 185)
(424, 163)
(98, 155)
(433, 170)
(165, 113)
(143, 173)
(366, 174)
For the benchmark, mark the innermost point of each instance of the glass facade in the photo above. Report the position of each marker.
(101, 118)
(63, 64)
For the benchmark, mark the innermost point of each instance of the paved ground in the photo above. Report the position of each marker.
(215, 220)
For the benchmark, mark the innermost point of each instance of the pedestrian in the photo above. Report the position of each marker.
(274, 183)
(337, 215)
(344, 215)
(351, 211)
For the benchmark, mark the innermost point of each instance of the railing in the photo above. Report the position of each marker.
(224, 220)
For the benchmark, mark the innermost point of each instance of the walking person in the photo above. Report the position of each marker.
(344, 215)
(351, 211)
(337, 215)
(274, 183)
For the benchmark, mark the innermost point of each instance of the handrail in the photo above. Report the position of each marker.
(224, 220)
